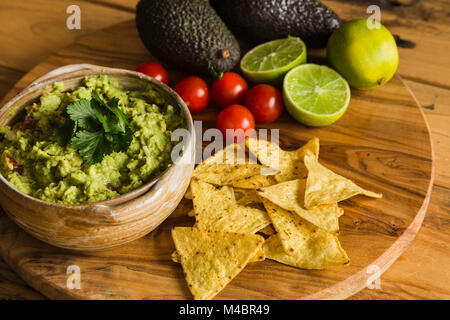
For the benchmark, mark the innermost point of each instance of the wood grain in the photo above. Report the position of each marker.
(12, 287)
(420, 272)
(43, 24)
(371, 144)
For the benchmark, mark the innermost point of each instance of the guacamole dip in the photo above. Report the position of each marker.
(34, 161)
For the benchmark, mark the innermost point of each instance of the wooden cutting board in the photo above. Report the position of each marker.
(382, 143)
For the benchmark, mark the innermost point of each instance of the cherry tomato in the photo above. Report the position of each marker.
(265, 102)
(154, 70)
(195, 92)
(236, 117)
(229, 90)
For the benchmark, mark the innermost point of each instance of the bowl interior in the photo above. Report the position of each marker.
(13, 111)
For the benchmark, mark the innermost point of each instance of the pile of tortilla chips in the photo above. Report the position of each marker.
(284, 208)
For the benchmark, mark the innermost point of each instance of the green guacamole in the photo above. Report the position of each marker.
(34, 162)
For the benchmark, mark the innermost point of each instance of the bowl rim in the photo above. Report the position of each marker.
(93, 70)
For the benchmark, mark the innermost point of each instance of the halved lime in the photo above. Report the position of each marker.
(269, 62)
(315, 95)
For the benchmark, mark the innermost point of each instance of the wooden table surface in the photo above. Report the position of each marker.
(32, 30)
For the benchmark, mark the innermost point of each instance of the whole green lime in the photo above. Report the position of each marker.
(364, 52)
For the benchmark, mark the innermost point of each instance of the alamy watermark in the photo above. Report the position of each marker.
(373, 22)
(73, 21)
(74, 279)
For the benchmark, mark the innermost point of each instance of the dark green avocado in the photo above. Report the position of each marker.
(188, 34)
(265, 20)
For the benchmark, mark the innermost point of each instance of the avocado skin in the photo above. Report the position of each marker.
(188, 34)
(265, 20)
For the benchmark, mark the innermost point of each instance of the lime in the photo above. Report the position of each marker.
(364, 52)
(269, 62)
(315, 95)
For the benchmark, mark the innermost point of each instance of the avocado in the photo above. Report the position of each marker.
(188, 34)
(265, 20)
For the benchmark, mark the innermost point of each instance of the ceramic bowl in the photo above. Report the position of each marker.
(106, 224)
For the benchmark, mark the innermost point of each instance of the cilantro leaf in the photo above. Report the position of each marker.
(84, 114)
(93, 146)
(95, 128)
(118, 126)
(120, 142)
(108, 122)
(90, 145)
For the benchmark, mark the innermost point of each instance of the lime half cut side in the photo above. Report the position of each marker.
(269, 62)
(315, 95)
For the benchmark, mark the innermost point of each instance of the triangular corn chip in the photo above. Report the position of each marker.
(188, 194)
(323, 186)
(216, 210)
(320, 250)
(246, 196)
(258, 257)
(229, 166)
(227, 174)
(231, 154)
(289, 196)
(207, 198)
(268, 231)
(255, 182)
(289, 163)
(287, 224)
(210, 260)
(243, 219)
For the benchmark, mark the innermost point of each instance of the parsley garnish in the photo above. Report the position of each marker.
(95, 128)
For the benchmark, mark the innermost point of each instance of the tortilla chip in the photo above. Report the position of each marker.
(246, 196)
(258, 257)
(244, 219)
(255, 182)
(323, 186)
(289, 196)
(320, 250)
(289, 163)
(210, 260)
(188, 194)
(216, 210)
(268, 231)
(228, 166)
(207, 198)
(227, 174)
(231, 154)
(287, 225)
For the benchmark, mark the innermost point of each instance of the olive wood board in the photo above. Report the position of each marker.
(382, 142)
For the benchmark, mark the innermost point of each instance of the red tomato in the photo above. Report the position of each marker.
(229, 90)
(154, 70)
(265, 102)
(236, 117)
(195, 92)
